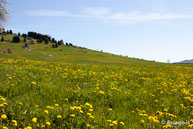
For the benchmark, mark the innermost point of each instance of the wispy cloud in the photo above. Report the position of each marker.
(106, 14)
(47, 13)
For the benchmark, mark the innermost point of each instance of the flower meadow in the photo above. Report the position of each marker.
(37, 94)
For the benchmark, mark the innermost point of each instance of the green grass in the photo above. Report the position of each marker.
(83, 89)
(63, 54)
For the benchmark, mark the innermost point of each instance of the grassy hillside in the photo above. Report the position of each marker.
(65, 54)
(73, 89)
(185, 62)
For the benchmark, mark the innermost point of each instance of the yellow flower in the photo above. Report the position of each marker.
(88, 114)
(3, 99)
(46, 111)
(48, 123)
(190, 126)
(111, 125)
(4, 127)
(167, 126)
(92, 117)
(81, 111)
(33, 83)
(56, 105)
(109, 121)
(156, 121)
(1, 105)
(110, 109)
(5, 104)
(142, 121)
(14, 122)
(72, 115)
(29, 127)
(59, 116)
(114, 122)
(3, 116)
(34, 120)
(90, 110)
(122, 123)
(72, 108)
(37, 125)
(36, 105)
(87, 125)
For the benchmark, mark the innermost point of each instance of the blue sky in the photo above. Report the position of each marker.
(149, 29)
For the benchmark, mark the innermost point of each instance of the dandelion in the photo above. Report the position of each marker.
(111, 125)
(190, 126)
(122, 123)
(3, 99)
(4, 127)
(37, 125)
(4, 116)
(156, 121)
(33, 83)
(28, 127)
(34, 120)
(167, 126)
(110, 109)
(5, 104)
(47, 123)
(57, 105)
(72, 115)
(45, 111)
(109, 121)
(88, 114)
(59, 116)
(114, 122)
(81, 111)
(87, 125)
(142, 121)
(14, 122)
(1, 105)
(92, 117)
(90, 110)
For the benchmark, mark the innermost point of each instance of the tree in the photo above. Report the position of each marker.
(60, 42)
(3, 12)
(16, 39)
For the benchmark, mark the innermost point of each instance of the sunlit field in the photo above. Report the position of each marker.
(36, 94)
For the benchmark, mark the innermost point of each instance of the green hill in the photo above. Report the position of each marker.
(65, 54)
(185, 62)
(75, 88)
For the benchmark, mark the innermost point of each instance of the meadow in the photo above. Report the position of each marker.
(119, 93)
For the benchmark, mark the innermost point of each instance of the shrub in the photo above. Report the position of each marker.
(16, 39)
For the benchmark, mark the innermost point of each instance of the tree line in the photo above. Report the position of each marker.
(41, 38)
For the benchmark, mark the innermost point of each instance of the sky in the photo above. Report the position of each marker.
(159, 30)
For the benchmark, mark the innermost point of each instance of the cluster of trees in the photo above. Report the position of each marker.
(40, 37)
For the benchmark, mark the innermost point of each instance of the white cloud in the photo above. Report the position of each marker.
(96, 11)
(106, 14)
(47, 13)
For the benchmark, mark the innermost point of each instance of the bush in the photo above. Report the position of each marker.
(16, 39)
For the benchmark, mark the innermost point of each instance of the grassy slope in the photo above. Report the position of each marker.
(128, 93)
(63, 54)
